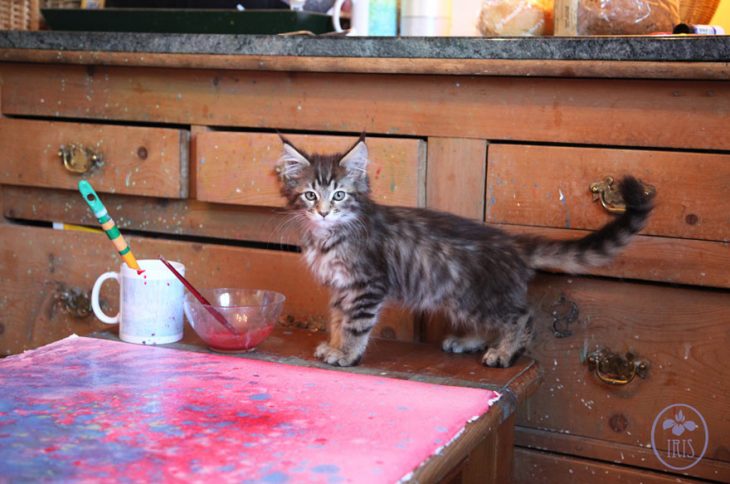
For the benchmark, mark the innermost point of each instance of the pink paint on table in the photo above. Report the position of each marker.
(85, 408)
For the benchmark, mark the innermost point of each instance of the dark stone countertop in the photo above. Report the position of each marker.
(657, 48)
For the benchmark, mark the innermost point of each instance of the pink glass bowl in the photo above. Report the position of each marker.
(252, 312)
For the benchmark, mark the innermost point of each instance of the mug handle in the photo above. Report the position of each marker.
(95, 298)
(336, 15)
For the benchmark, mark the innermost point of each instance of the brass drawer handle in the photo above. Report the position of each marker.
(614, 369)
(78, 158)
(610, 197)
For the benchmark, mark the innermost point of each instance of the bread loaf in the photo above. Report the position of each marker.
(615, 17)
(516, 17)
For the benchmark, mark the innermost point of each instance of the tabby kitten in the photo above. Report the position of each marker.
(368, 254)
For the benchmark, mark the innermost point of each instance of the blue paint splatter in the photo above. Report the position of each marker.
(275, 477)
(441, 429)
(167, 429)
(326, 469)
(260, 397)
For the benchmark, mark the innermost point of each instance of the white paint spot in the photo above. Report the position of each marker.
(687, 350)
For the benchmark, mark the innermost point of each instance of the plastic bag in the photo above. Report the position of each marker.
(615, 17)
(516, 17)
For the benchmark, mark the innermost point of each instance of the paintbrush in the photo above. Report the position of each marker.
(209, 307)
(106, 222)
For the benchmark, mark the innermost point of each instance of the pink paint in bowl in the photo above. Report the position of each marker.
(251, 312)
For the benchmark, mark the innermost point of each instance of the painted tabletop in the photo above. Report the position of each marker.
(85, 408)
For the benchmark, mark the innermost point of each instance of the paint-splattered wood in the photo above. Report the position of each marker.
(612, 452)
(427, 363)
(392, 358)
(135, 160)
(379, 65)
(550, 186)
(238, 168)
(206, 416)
(535, 467)
(695, 262)
(421, 362)
(40, 265)
(456, 176)
(495, 108)
(681, 333)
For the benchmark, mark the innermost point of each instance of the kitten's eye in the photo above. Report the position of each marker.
(310, 195)
(338, 196)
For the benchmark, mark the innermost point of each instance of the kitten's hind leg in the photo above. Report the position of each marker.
(470, 343)
(354, 315)
(516, 334)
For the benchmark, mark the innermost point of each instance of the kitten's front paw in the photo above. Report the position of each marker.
(495, 358)
(462, 344)
(333, 356)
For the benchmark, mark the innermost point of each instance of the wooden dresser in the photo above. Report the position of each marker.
(185, 146)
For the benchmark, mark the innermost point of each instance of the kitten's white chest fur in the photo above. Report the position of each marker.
(328, 268)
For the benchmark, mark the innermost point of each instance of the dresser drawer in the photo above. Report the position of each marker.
(681, 335)
(45, 274)
(238, 168)
(550, 187)
(129, 160)
(534, 467)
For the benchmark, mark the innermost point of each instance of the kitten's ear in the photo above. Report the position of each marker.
(356, 160)
(292, 161)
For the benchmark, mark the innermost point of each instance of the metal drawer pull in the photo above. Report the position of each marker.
(78, 158)
(610, 197)
(614, 369)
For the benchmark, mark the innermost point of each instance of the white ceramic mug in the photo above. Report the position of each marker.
(368, 17)
(150, 303)
(425, 18)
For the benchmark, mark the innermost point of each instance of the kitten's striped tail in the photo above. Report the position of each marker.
(599, 247)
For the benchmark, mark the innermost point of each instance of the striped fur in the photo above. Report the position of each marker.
(369, 254)
(597, 248)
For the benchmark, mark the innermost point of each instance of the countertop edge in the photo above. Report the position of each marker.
(614, 69)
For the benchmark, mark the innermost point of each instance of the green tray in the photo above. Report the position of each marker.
(187, 21)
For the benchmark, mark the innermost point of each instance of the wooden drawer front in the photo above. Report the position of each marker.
(486, 107)
(135, 160)
(549, 187)
(35, 261)
(534, 467)
(683, 335)
(238, 168)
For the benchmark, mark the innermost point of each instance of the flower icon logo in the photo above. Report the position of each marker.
(679, 424)
(679, 436)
